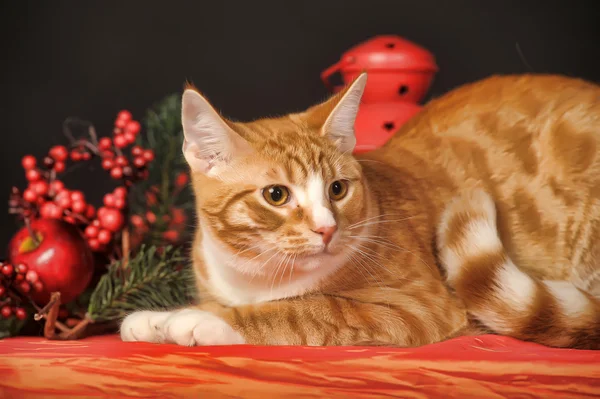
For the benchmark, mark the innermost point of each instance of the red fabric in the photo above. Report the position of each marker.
(467, 367)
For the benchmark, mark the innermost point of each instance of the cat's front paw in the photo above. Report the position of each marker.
(191, 327)
(144, 326)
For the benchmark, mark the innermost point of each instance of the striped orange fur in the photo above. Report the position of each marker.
(482, 213)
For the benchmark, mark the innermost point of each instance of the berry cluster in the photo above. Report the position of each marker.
(47, 197)
(110, 220)
(23, 280)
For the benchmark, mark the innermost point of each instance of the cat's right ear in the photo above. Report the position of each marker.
(209, 143)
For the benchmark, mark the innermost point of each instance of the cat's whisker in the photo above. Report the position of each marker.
(388, 244)
(284, 269)
(368, 270)
(292, 268)
(281, 262)
(380, 222)
(259, 269)
(374, 217)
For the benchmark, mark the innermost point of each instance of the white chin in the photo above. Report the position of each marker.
(316, 261)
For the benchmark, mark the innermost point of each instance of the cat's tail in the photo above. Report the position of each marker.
(501, 296)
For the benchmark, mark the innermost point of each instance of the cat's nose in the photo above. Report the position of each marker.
(326, 232)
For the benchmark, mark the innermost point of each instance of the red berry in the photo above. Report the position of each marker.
(20, 313)
(29, 195)
(59, 167)
(116, 172)
(108, 154)
(6, 311)
(79, 206)
(19, 277)
(90, 211)
(121, 161)
(124, 115)
(70, 219)
(28, 162)
(129, 137)
(107, 164)
(7, 270)
(33, 175)
(133, 127)
(109, 200)
(77, 196)
(120, 141)
(148, 155)
(21, 268)
(63, 201)
(104, 236)
(56, 186)
(119, 203)
(2, 291)
(32, 276)
(128, 172)
(150, 217)
(59, 153)
(94, 244)
(40, 187)
(104, 144)
(86, 156)
(139, 162)
(120, 192)
(38, 286)
(25, 287)
(136, 151)
(96, 222)
(50, 210)
(120, 124)
(101, 212)
(137, 221)
(111, 219)
(171, 235)
(181, 180)
(76, 156)
(91, 231)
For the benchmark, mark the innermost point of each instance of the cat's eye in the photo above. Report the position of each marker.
(338, 190)
(276, 195)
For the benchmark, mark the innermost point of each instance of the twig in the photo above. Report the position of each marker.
(125, 245)
(42, 314)
(55, 297)
(93, 135)
(76, 331)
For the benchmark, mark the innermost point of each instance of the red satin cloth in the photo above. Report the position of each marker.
(467, 367)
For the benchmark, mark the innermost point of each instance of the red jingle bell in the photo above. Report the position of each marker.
(399, 75)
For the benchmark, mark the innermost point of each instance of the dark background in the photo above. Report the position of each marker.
(252, 58)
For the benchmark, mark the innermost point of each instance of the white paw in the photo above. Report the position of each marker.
(190, 327)
(145, 326)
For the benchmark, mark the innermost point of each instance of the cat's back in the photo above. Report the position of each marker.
(533, 141)
(528, 125)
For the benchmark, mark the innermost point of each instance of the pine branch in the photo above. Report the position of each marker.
(164, 135)
(151, 281)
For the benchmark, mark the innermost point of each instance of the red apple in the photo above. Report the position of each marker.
(61, 259)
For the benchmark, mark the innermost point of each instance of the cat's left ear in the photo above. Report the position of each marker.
(337, 115)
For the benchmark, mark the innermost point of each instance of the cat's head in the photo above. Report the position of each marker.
(277, 190)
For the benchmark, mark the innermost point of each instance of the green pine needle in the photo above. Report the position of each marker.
(150, 282)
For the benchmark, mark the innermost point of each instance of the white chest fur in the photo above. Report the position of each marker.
(235, 288)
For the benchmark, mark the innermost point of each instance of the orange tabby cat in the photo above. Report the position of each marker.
(482, 214)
